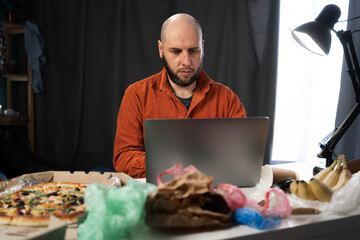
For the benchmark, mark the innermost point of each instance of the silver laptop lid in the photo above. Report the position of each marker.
(229, 149)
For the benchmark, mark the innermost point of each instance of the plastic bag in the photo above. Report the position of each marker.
(346, 199)
(343, 200)
(233, 195)
(259, 191)
(177, 170)
(252, 218)
(112, 211)
(276, 201)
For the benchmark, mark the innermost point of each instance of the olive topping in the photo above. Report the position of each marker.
(53, 194)
(77, 189)
(20, 204)
(24, 193)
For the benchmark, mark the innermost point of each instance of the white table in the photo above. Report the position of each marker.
(319, 226)
(322, 226)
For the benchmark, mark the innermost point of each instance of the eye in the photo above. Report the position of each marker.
(176, 51)
(194, 51)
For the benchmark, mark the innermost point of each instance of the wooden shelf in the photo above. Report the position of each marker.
(17, 77)
(12, 29)
(14, 121)
(19, 121)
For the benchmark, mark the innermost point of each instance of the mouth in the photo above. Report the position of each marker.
(186, 71)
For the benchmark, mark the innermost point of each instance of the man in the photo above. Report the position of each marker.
(181, 90)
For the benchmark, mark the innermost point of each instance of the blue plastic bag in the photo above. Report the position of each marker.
(253, 218)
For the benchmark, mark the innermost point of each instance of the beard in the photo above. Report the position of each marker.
(174, 77)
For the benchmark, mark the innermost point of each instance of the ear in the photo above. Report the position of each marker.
(202, 45)
(160, 45)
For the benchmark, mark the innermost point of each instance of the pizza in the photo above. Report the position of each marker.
(33, 206)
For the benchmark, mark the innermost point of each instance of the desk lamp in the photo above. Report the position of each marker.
(316, 37)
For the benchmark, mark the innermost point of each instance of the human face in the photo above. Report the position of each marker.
(175, 78)
(182, 54)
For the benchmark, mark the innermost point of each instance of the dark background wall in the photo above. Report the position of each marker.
(95, 49)
(349, 144)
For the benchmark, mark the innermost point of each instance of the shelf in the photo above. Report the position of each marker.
(19, 121)
(12, 29)
(14, 121)
(17, 77)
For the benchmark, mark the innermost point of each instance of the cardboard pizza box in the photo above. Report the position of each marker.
(82, 177)
(57, 228)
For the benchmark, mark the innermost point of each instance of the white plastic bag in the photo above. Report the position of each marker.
(345, 199)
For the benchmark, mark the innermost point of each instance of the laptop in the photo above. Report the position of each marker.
(229, 149)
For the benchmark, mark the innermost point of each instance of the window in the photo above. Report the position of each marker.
(307, 85)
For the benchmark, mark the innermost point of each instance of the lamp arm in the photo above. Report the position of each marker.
(328, 146)
(351, 60)
(329, 143)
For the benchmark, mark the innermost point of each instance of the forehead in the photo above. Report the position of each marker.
(182, 34)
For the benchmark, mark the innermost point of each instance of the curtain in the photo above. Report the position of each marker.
(95, 49)
(349, 144)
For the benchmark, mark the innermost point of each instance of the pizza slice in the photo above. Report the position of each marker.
(32, 206)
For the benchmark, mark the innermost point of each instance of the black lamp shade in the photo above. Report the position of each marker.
(313, 36)
(316, 36)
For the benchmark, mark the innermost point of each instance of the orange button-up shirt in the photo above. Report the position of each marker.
(153, 98)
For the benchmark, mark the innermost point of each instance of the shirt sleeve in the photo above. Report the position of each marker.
(236, 109)
(129, 154)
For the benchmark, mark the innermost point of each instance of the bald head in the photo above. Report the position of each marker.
(181, 49)
(177, 20)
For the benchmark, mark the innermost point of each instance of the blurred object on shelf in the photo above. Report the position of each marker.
(10, 17)
(11, 67)
(9, 112)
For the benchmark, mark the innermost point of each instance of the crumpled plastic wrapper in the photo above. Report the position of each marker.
(113, 180)
(17, 183)
(187, 201)
(113, 213)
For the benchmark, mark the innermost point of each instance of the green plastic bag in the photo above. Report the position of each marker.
(112, 211)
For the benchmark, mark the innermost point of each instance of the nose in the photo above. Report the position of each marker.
(185, 58)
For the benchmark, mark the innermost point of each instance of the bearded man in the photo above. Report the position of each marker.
(181, 90)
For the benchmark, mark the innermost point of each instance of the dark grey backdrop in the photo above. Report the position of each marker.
(95, 49)
(350, 143)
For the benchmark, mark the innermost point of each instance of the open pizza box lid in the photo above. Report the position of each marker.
(106, 178)
(58, 229)
(82, 177)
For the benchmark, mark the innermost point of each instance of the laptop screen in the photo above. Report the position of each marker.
(229, 149)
